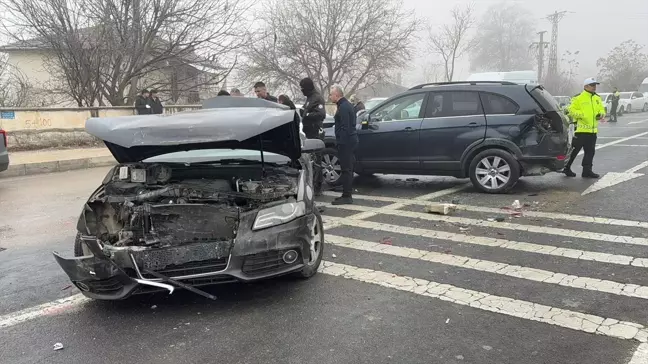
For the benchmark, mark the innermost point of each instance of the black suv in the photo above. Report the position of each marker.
(492, 132)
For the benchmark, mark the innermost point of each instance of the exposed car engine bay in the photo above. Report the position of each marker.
(162, 205)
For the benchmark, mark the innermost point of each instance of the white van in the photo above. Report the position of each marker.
(519, 77)
(644, 87)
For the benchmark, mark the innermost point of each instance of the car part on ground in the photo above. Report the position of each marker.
(197, 220)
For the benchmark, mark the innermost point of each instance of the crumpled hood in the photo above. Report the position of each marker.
(225, 123)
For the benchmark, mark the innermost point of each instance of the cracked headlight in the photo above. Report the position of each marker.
(280, 214)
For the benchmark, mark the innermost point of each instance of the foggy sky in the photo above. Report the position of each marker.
(594, 27)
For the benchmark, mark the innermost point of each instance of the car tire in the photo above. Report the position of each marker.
(629, 109)
(310, 269)
(78, 245)
(645, 108)
(331, 167)
(503, 176)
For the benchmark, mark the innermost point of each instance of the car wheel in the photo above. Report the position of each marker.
(629, 109)
(645, 108)
(316, 251)
(331, 168)
(494, 171)
(620, 111)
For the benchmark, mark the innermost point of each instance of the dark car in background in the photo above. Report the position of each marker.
(217, 195)
(491, 132)
(4, 154)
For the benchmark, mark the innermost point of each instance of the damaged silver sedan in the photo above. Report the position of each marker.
(219, 195)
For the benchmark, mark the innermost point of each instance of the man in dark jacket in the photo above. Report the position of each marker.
(143, 103)
(262, 92)
(313, 115)
(357, 104)
(346, 138)
(156, 103)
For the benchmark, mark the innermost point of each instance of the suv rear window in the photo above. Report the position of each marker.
(496, 104)
(544, 99)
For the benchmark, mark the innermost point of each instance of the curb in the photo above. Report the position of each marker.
(27, 169)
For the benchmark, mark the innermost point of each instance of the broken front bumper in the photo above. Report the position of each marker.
(117, 273)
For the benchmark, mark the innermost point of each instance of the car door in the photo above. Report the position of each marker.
(389, 137)
(453, 120)
(637, 101)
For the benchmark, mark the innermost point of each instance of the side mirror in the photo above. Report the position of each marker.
(360, 113)
(313, 145)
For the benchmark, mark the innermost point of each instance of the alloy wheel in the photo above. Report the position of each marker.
(331, 168)
(493, 172)
(315, 243)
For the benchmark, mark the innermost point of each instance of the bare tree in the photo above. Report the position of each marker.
(451, 41)
(354, 43)
(624, 67)
(502, 39)
(14, 88)
(106, 49)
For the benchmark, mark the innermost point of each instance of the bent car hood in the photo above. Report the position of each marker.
(225, 122)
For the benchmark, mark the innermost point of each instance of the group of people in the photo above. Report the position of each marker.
(148, 103)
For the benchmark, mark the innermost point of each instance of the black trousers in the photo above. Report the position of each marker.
(613, 112)
(346, 155)
(313, 132)
(587, 142)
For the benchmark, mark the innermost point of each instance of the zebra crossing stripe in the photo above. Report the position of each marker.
(484, 301)
(516, 271)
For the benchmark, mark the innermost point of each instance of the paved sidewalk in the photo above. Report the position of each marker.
(56, 160)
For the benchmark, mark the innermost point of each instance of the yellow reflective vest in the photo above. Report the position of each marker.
(583, 109)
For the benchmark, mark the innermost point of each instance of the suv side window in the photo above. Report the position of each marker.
(453, 103)
(496, 104)
(403, 108)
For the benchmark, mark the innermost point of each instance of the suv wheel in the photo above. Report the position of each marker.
(494, 171)
(331, 168)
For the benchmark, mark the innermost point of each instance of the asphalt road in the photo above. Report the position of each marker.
(399, 285)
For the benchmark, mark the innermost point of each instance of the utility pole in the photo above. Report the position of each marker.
(540, 47)
(555, 18)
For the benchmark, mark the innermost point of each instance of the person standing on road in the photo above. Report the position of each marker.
(262, 92)
(156, 103)
(313, 115)
(616, 96)
(346, 138)
(357, 104)
(236, 92)
(586, 109)
(143, 103)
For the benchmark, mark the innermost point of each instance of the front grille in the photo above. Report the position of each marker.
(266, 262)
(105, 286)
(190, 268)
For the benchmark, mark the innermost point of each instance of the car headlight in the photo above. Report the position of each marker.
(280, 214)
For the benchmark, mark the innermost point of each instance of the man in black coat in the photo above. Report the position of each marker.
(156, 103)
(143, 103)
(313, 115)
(262, 92)
(346, 138)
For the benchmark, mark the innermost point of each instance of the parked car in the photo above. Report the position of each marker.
(371, 103)
(4, 154)
(636, 101)
(491, 132)
(212, 196)
(563, 101)
(607, 101)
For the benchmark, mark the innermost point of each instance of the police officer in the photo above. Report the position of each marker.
(586, 109)
(313, 115)
(616, 96)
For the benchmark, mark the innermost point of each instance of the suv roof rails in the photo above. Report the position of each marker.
(462, 83)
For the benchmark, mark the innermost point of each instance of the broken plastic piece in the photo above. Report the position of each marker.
(516, 204)
(58, 346)
(440, 208)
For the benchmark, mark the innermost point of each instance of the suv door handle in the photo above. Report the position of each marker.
(409, 129)
(473, 125)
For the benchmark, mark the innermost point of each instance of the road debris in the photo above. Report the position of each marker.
(153, 307)
(447, 321)
(500, 219)
(333, 256)
(440, 208)
(58, 346)
(66, 287)
(386, 241)
(516, 205)
(487, 348)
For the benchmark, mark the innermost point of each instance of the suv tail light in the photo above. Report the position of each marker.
(4, 136)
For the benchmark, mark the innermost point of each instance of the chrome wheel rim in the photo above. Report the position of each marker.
(493, 172)
(331, 168)
(315, 245)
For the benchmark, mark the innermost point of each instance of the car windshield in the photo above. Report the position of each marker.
(218, 155)
(370, 104)
(626, 95)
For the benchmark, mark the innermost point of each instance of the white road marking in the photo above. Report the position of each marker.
(641, 355)
(516, 271)
(493, 210)
(46, 309)
(618, 141)
(632, 145)
(503, 225)
(613, 178)
(618, 137)
(484, 301)
(497, 243)
(638, 122)
(442, 193)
